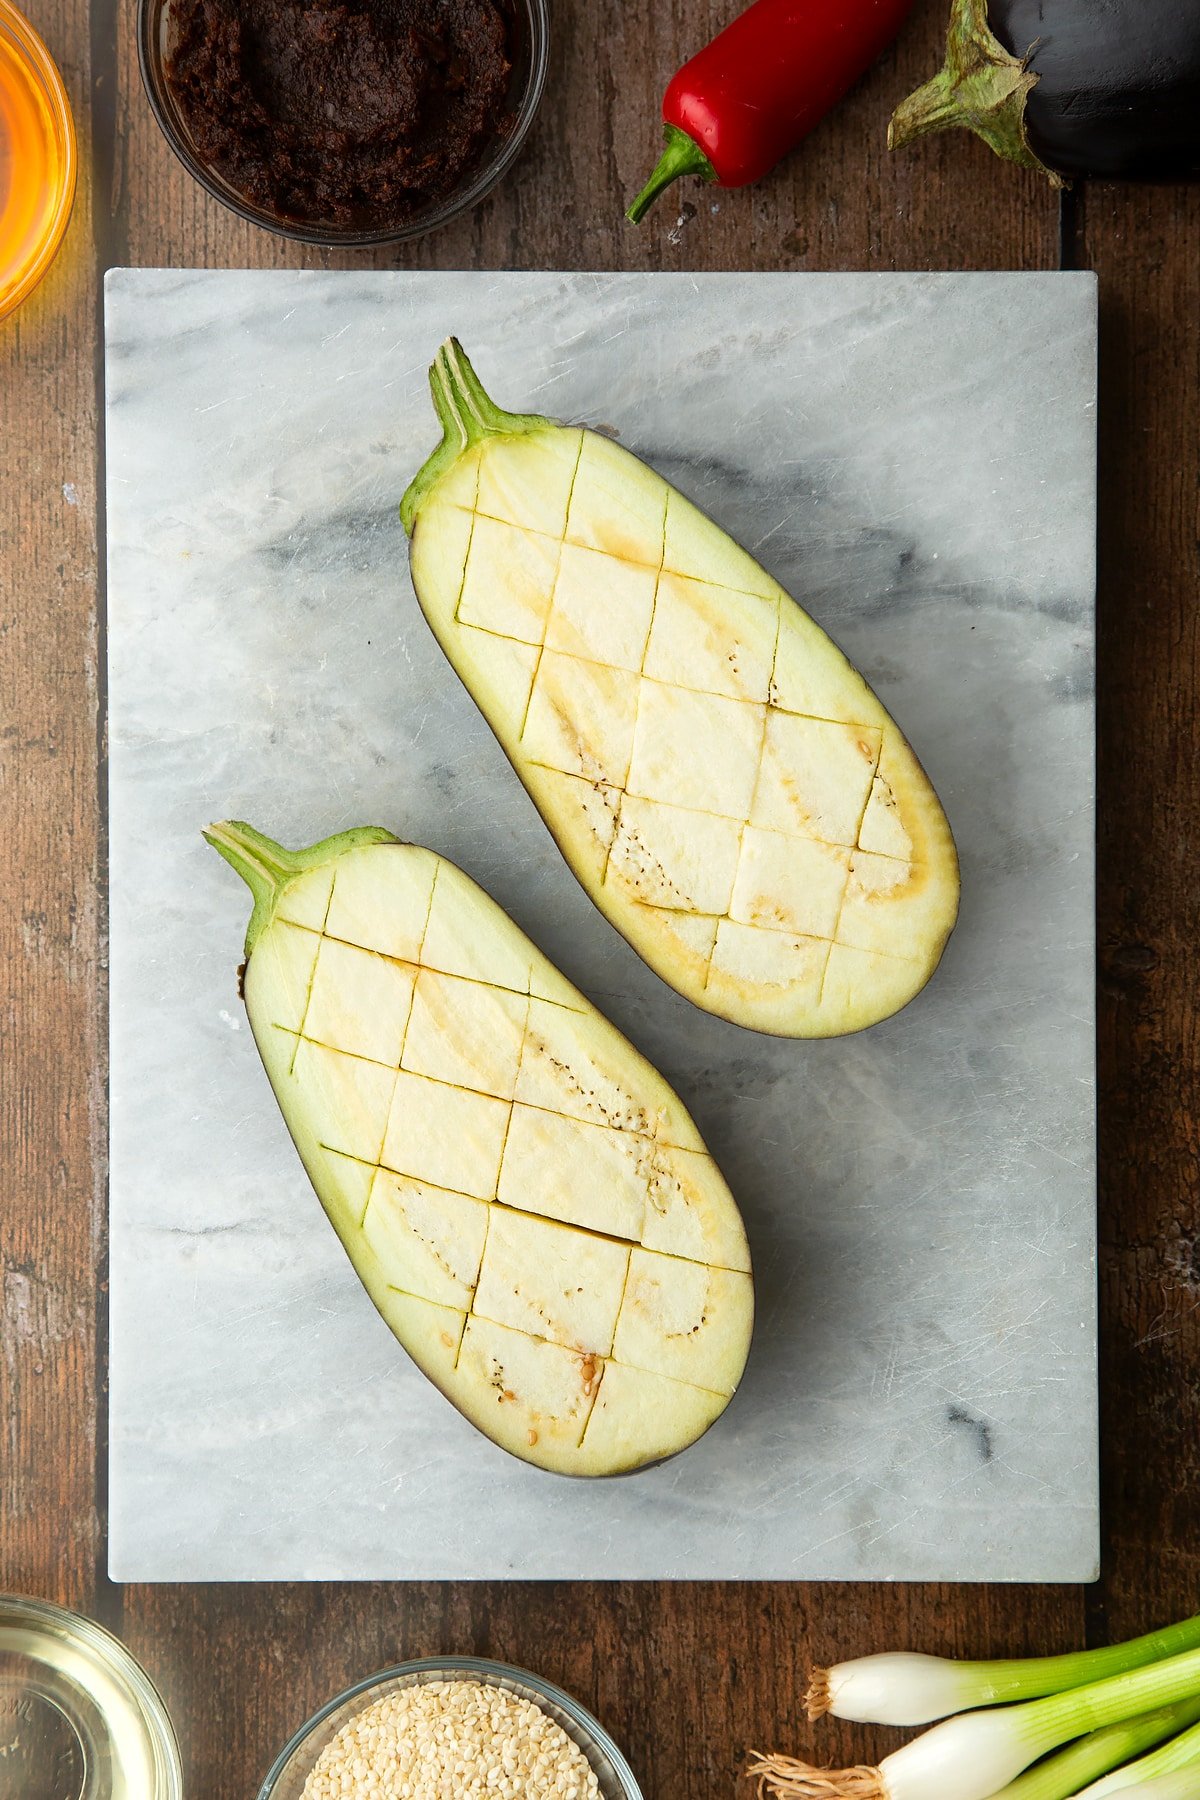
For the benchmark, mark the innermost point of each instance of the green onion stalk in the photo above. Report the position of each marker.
(1176, 1784)
(1181, 1757)
(974, 1755)
(905, 1688)
(1068, 1771)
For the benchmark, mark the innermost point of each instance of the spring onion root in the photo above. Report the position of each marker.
(905, 1688)
(787, 1778)
(970, 1757)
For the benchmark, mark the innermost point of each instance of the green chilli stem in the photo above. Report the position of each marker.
(682, 156)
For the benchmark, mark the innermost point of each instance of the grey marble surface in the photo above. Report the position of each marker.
(912, 455)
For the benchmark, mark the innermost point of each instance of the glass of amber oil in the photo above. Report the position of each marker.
(37, 158)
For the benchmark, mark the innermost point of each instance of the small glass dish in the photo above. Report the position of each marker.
(296, 1761)
(37, 143)
(79, 1718)
(531, 55)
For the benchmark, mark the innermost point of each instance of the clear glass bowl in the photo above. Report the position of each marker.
(295, 1763)
(79, 1718)
(38, 134)
(532, 53)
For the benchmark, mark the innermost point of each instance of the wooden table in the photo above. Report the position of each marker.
(686, 1676)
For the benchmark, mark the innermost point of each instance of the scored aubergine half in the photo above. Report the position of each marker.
(525, 1200)
(1069, 87)
(723, 783)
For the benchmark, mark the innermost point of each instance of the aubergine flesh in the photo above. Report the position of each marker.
(525, 1200)
(727, 789)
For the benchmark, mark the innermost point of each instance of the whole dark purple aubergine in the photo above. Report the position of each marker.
(1070, 87)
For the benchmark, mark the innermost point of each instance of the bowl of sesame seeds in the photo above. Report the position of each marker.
(451, 1728)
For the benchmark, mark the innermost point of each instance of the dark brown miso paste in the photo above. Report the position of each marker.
(360, 113)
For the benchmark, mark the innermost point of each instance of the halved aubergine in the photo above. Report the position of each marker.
(723, 783)
(524, 1198)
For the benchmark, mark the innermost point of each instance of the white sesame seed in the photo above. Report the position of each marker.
(443, 1740)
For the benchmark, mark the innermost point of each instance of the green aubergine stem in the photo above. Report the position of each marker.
(268, 869)
(467, 415)
(980, 88)
(682, 156)
(1088, 1758)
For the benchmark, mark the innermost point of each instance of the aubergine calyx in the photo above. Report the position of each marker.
(268, 869)
(467, 415)
(981, 87)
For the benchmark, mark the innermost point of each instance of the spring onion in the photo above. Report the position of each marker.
(970, 1757)
(904, 1688)
(1177, 1784)
(1057, 1777)
(1169, 1758)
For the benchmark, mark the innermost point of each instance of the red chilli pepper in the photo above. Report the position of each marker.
(762, 84)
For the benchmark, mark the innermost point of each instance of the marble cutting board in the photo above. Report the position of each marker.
(913, 457)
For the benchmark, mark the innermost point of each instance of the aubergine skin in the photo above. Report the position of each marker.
(1118, 83)
(1070, 88)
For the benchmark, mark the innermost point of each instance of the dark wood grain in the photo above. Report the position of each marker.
(51, 1028)
(842, 202)
(1146, 245)
(688, 1676)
